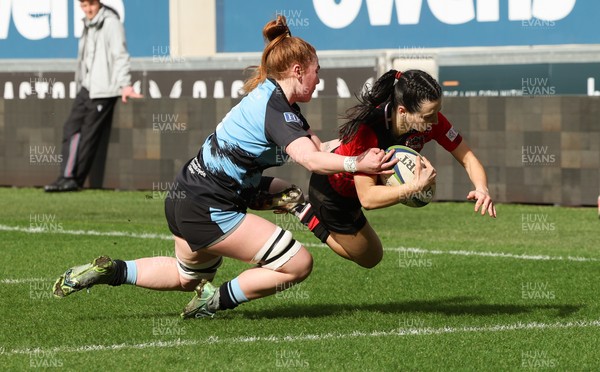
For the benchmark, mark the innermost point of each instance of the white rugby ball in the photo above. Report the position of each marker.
(404, 172)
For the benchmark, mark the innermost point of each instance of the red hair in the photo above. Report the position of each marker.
(280, 53)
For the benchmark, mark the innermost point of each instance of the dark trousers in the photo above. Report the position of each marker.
(88, 121)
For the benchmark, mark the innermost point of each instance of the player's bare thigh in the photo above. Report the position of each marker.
(242, 244)
(364, 247)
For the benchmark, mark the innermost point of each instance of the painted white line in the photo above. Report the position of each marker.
(300, 338)
(481, 254)
(495, 254)
(34, 230)
(24, 280)
(320, 245)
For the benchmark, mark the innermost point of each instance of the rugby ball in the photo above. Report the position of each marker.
(404, 172)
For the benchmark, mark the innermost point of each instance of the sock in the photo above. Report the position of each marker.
(131, 277)
(231, 295)
(120, 273)
(309, 219)
(125, 273)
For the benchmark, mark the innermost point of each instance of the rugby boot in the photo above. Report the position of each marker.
(281, 202)
(198, 306)
(100, 271)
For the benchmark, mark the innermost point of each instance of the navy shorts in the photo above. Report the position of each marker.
(201, 226)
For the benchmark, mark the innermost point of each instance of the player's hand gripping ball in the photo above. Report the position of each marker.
(404, 172)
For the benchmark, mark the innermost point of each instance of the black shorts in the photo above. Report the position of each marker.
(200, 225)
(337, 213)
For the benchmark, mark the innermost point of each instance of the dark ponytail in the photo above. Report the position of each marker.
(409, 89)
(369, 100)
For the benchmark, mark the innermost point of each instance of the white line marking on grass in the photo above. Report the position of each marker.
(24, 280)
(33, 230)
(495, 254)
(319, 245)
(310, 337)
(396, 249)
(482, 254)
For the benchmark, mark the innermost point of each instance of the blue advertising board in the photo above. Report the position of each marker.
(51, 28)
(389, 24)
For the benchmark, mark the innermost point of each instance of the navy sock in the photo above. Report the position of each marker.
(231, 295)
(120, 275)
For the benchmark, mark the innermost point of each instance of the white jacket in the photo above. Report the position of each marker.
(110, 69)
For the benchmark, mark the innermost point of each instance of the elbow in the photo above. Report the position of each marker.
(367, 204)
(373, 203)
(311, 168)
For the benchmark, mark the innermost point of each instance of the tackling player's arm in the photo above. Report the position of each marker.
(315, 139)
(373, 196)
(304, 151)
(323, 146)
(465, 156)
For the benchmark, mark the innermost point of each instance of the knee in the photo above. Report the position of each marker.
(284, 254)
(300, 266)
(305, 268)
(371, 260)
(190, 274)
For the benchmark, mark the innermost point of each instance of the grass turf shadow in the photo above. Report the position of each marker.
(452, 306)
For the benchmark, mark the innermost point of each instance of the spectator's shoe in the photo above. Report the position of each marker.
(198, 306)
(281, 202)
(54, 186)
(100, 271)
(62, 185)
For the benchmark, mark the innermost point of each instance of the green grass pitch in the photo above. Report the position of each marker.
(455, 291)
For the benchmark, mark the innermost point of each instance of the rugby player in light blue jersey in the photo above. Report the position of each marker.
(207, 209)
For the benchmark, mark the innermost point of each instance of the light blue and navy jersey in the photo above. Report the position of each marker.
(251, 138)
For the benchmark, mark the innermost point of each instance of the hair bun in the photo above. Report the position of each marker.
(276, 28)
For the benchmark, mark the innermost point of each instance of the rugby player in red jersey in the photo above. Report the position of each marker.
(402, 108)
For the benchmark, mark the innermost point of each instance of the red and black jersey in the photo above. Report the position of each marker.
(375, 134)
